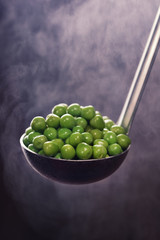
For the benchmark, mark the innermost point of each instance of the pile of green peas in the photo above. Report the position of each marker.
(75, 132)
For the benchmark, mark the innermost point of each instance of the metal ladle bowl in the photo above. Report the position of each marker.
(92, 170)
(73, 171)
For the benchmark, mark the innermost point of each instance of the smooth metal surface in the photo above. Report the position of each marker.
(73, 171)
(92, 170)
(141, 76)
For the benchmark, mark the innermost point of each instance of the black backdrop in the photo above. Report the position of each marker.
(87, 52)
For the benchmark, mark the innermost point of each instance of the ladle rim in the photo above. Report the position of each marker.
(71, 160)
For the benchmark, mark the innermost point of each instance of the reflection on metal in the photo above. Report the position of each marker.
(141, 76)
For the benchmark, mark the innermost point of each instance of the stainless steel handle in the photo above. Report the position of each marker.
(141, 76)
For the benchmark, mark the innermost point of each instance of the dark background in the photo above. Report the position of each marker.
(87, 52)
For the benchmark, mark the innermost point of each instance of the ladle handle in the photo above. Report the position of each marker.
(141, 76)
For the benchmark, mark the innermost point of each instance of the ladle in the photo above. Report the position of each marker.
(92, 170)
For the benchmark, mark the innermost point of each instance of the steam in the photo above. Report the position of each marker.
(86, 52)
